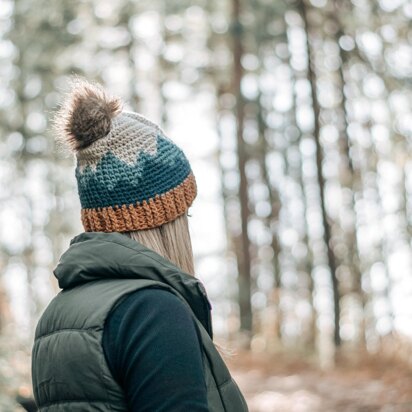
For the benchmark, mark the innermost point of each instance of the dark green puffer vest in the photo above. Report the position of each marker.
(69, 369)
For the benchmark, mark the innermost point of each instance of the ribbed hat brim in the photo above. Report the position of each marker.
(155, 212)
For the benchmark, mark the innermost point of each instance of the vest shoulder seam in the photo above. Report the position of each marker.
(225, 383)
(84, 330)
(46, 405)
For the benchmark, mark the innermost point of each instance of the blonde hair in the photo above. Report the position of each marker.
(170, 240)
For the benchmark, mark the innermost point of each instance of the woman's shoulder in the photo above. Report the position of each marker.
(156, 300)
(148, 311)
(150, 324)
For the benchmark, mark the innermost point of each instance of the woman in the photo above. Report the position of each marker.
(131, 329)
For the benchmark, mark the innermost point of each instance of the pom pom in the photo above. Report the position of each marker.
(85, 115)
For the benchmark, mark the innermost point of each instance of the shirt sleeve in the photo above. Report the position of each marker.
(154, 352)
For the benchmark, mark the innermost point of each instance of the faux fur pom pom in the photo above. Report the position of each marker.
(85, 115)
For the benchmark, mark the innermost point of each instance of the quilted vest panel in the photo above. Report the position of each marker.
(69, 369)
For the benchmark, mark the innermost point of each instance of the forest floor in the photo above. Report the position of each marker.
(284, 384)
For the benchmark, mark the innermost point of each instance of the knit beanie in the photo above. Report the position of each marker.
(130, 175)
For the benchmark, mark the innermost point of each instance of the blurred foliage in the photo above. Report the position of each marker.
(297, 117)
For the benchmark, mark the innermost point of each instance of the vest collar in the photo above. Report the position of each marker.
(97, 255)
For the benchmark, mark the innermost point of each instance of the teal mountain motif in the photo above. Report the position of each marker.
(114, 182)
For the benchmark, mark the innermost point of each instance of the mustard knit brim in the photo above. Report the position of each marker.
(143, 215)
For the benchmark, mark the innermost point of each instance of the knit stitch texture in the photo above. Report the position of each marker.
(134, 178)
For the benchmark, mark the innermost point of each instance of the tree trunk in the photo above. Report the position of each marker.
(321, 180)
(273, 219)
(243, 242)
(350, 181)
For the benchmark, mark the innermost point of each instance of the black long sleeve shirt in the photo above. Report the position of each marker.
(153, 350)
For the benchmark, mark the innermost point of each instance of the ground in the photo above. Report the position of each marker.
(280, 384)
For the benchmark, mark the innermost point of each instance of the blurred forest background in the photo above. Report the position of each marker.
(296, 117)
